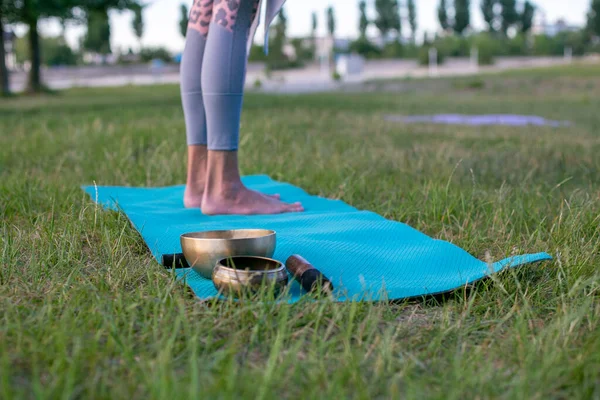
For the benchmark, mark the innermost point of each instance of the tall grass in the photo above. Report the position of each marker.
(85, 312)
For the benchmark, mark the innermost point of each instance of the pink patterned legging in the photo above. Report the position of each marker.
(222, 12)
(213, 71)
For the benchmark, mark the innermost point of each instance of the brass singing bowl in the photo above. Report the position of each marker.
(249, 275)
(202, 250)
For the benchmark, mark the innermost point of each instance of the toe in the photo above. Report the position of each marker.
(296, 207)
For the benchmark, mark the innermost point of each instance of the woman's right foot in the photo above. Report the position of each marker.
(243, 201)
(193, 198)
(224, 192)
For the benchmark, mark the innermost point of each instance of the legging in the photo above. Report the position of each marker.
(213, 71)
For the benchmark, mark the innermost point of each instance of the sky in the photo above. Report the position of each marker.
(162, 20)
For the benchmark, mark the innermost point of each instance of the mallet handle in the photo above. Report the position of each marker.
(177, 260)
(308, 276)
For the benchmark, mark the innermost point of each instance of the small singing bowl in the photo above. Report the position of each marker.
(202, 250)
(249, 275)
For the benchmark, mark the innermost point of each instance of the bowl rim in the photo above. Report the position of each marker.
(188, 235)
(280, 265)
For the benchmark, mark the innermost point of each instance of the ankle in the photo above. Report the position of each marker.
(196, 169)
(195, 184)
(223, 179)
(223, 189)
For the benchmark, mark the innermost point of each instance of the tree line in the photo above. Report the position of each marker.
(502, 17)
(499, 16)
(94, 13)
(508, 26)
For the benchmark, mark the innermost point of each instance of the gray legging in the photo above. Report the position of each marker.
(213, 71)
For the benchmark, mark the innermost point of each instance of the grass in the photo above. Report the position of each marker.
(85, 312)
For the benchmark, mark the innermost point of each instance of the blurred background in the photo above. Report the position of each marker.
(314, 45)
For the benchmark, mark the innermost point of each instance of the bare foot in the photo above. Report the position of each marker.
(243, 201)
(193, 199)
(197, 171)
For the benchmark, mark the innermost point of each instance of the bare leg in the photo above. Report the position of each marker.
(193, 105)
(223, 76)
(196, 176)
(226, 194)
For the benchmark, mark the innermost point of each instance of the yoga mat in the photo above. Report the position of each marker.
(364, 255)
(477, 120)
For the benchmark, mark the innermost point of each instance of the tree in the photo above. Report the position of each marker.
(365, 48)
(138, 23)
(55, 51)
(331, 30)
(527, 17)
(388, 18)
(396, 19)
(97, 19)
(4, 77)
(331, 21)
(281, 29)
(412, 19)
(593, 24)
(28, 13)
(183, 19)
(462, 15)
(509, 14)
(155, 53)
(282, 23)
(313, 31)
(425, 39)
(489, 14)
(63, 27)
(443, 15)
(278, 38)
(363, 24)
(97, 37)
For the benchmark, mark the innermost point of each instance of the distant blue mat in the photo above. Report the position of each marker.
(366, 256)
(478, 120)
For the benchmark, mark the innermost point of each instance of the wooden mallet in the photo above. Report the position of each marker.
(310, 278)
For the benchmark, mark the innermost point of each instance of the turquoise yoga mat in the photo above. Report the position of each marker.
(367, 257)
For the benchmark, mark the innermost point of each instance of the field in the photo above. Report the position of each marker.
(85, 312)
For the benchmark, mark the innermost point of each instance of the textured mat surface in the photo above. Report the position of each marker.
(477, 120)
(366, 256)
